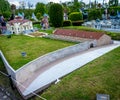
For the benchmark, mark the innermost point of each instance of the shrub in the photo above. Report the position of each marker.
(38, 15)
(56, 15)
(75, 16)
(67, 23)
(6, 14)
(77, 23)
(114, 36)
(94, 14)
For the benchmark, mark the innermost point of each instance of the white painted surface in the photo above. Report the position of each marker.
(63, 68)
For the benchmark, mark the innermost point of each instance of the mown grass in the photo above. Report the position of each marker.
(49, 30)
(100, 76)
(34, 47)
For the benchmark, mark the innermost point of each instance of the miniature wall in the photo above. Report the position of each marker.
(30, 69)
(9, 69)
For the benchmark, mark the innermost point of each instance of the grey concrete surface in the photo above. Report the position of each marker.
(67, 66)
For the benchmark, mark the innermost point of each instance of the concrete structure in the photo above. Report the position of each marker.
(18, 25)
(99, 37)
(41, 72)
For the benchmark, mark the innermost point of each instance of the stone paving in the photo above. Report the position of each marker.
(4, 95)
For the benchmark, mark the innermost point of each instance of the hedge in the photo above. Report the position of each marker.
(77, 23)
(75, 16)
(67, 23)
(56, 15)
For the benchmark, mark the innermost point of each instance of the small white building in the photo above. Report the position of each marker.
(18, 25)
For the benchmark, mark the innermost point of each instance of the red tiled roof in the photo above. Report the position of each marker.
(21, 21)
(79, 33)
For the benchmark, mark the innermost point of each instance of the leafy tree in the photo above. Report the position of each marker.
(113, 2)
(6, 14)
(56, 15)
(4, 6)
(13, 8)
(40, 8)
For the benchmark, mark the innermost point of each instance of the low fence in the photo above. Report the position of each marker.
(29, 69)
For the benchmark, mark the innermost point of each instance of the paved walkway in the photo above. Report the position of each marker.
(65, 67)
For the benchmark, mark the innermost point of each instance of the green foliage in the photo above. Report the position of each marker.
(27, 12)
(38, 15)
(7, 14)
(67, 23)
(56, 15)
(113, 3)
(114, 36)
(40, 8)
(94, 14)
(117, 8)
(77, 23)
(75, 16)
(4, 6)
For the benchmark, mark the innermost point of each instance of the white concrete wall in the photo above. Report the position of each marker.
(9, 69)
(29, 69)
(104, 40)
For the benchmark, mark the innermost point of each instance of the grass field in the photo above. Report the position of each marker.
(100, 76)
(34, 47)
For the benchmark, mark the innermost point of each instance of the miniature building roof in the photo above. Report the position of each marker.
(18, 20)
(79, 33)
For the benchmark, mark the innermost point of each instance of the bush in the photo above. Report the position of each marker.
(115, 9)
(38, 15)
(56, 15)
(75, 16)
(6, 14)
(94, 14)
(114, 36)
(67, 23)
(77, 23)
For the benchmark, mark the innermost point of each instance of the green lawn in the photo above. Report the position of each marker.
(34, 47)
(100, 76)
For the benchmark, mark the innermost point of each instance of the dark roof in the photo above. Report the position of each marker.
(21, 21)
(79, 33)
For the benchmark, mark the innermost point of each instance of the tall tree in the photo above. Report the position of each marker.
(56, 15)
(4, 6)
(40, 8)
(13, 8)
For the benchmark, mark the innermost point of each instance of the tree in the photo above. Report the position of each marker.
(56, 15)
(113, 2)
(13, 8)
(40, 8)
(4, 6)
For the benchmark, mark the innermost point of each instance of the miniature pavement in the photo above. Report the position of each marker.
(60, 69)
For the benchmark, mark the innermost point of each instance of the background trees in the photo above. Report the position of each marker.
(40, 8)
(56, 15)
(113, 2)
(4, 6)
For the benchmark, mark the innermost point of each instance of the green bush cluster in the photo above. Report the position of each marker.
(56, 15)
(75, 16)
(115, 9)
(94, 14)
(67, 23)
(114, 36)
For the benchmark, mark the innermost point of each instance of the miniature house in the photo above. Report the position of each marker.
(18, 25)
